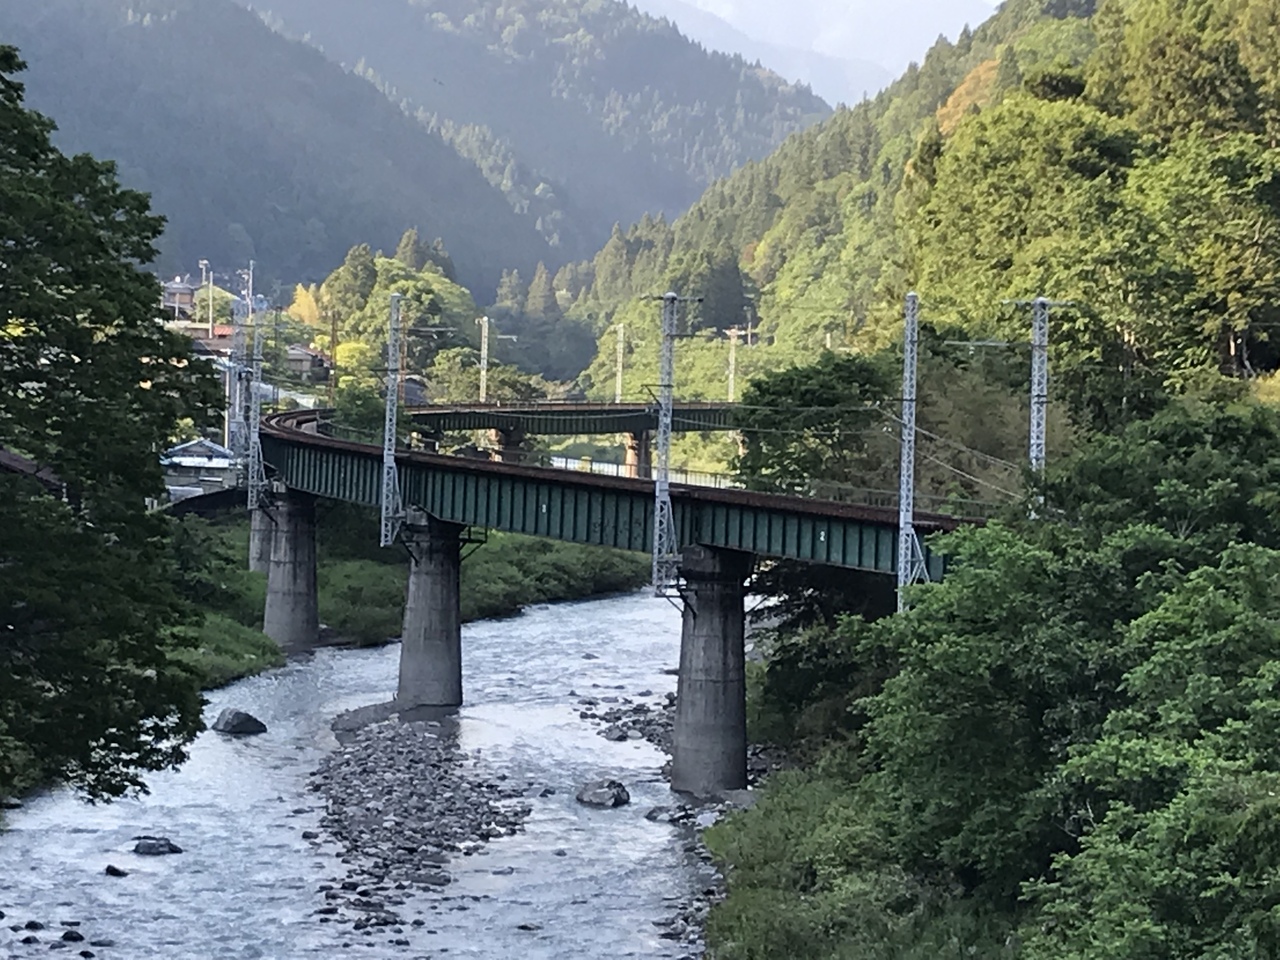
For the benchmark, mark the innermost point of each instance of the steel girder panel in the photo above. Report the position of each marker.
(835, 541)
(516, 505)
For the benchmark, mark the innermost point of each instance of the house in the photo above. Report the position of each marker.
(306, 364)
(179, 297)
(198, 467)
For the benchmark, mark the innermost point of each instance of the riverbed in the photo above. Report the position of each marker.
(576, 884)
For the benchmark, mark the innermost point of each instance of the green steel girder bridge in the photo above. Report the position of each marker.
(588, 508)
(570, 418)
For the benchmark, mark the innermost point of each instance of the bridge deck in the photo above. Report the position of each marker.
(589, 508)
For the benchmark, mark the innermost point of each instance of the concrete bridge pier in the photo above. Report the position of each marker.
(292, 614)
(431, 644)
(262, 531)
(506, 445)
(639, 457)
(709, 744)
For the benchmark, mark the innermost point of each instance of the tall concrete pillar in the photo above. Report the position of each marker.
(431, 643)
(292, 615)
(262, 531)
(639, 456)
(506, 445)
(709, 744)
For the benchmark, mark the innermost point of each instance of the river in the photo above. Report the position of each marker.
(246, 885)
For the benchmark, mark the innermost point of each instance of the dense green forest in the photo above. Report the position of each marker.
(1066, 749)
(253, 146)
(1122, 162)
(584, 113)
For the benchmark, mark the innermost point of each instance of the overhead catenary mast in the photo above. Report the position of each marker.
(666, 559)
(392, 513)
(911, 563)
(484, 323)
(621, 356)
(1039, 383)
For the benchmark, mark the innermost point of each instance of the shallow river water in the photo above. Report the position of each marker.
(246, 885)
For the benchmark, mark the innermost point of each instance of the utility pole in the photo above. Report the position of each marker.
(666, 557)
(392, 513)
(484, 323)
(734, 333)
(206, 279)
(333, 353)
(911, 565)
(622, 352)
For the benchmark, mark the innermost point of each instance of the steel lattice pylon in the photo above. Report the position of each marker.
(911, 563)
(666, 558)
(1039, 382)
(257, 478)
(392, 509)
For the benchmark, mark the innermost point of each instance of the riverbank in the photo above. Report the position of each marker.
(260, 861)
(362, 586)
(652, 719)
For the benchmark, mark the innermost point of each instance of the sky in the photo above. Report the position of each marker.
(842, 48)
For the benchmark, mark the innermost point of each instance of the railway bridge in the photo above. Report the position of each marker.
(720, 533)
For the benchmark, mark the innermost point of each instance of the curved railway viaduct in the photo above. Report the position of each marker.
(721, 533)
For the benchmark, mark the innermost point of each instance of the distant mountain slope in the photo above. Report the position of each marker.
(617, 112)
(891, 33)
(838, 79)
(251, 145)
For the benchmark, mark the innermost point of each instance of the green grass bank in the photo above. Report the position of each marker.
(362, 586)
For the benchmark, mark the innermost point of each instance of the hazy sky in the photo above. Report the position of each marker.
(874, 40)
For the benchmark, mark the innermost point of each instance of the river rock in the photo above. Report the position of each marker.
(155, 846)
(73, 936)
(114, 871)
(238, 723)
(604, 793)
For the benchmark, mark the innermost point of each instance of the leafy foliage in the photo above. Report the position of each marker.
(94, 386)
(1065, 749)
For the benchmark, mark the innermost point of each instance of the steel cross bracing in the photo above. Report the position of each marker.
(666, 556)
(392, 509)
(911, 560)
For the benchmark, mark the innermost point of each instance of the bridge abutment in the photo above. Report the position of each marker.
(639, 455)
(709, 744)
(431, 642)
(292, 614)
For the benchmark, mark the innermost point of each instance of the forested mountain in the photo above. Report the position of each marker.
(1123, 161)
(836, 78)
(889, 34)
(251, 145)
(584, 113)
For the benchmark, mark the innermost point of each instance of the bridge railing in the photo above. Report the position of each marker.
(827, 490)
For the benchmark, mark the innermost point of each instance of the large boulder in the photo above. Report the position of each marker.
(238, 723)
(155, 846)
(604, 793)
